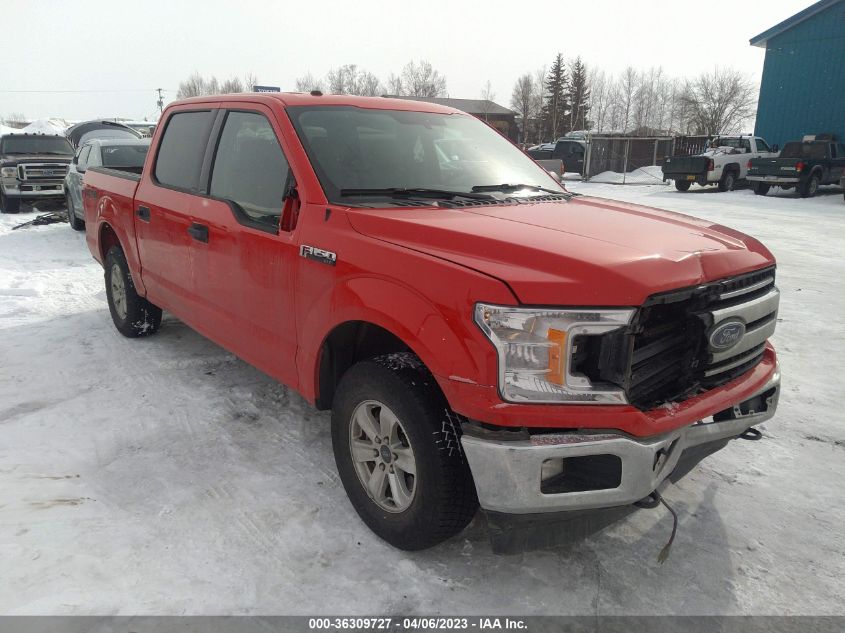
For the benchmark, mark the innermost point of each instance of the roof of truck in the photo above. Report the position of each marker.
(307, 99)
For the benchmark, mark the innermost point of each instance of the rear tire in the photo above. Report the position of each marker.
(811, 187)
(728, 181)
(9, 205)
(132, 314)
(761, 188)
(438, 500)
(75, 223)
(682, 185)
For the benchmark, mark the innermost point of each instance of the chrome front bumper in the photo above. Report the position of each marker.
(507, 474)
(45, 190)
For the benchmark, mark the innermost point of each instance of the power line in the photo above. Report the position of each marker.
(86, 91)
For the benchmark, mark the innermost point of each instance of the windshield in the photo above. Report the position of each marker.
(36, 145)
(354, 149)
(124, 155)
(804, 150)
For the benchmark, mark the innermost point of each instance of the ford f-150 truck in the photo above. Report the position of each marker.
(723, 164)
(480, 335)
(805, 165)
(32, 168)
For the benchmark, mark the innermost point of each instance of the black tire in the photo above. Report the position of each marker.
(682, 185)
(728, 180)
(75, 223)
(761, 188)
(811, 187)
(140, 317)
(9, 205)
(444, 499)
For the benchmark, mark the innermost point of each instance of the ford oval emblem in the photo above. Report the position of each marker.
(727, 334)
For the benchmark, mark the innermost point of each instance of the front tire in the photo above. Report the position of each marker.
(761, 188)
(811, 187)
(75, 223)
(682, 185)
(398, 453)
(132, 314)
(9, 205)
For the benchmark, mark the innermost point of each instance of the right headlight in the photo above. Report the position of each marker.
(8, 172)
(538, 351)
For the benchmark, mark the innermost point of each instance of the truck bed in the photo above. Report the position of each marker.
(684, 165)
(109, 193)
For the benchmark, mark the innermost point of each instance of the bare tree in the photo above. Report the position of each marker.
(394, 85)
(600, 87)
(15, 119)
(538, 102)
(308, 82)
(351, 80)
(626, 96)
(193, 86)
(231, 86)
(522, 101)
(719, 102)
(249, 82)
(196, 85)
(422, 80)
(487, 97)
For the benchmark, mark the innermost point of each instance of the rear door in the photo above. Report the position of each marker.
(243, 261)
(164, 206)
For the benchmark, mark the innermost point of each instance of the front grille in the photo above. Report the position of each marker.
(671, 354)
(42, 171)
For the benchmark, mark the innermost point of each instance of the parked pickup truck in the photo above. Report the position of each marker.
(724, 164)
(805, 165)
(32, 168)
(480, 335)
(565, 154)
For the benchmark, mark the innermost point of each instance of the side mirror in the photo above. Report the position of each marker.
(775, 148)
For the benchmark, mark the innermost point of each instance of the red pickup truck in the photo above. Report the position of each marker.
(480, 335)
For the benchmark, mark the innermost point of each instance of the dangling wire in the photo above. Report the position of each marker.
(664, 553)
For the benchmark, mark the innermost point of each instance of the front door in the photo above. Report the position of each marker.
(242, 261)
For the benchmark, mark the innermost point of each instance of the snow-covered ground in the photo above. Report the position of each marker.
(165, 476)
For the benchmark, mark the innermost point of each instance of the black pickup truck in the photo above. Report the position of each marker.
(32, 168)
(805, 165)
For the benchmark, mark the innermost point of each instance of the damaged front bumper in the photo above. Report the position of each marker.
(590, 470)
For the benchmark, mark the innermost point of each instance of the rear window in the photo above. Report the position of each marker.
(121, 156)
(106, 133)
(808, 149)
(182, 148)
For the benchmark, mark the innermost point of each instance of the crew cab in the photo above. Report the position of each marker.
(724, 163)
(805, 165)
(480, 335)
(32, 168)
(565, 154)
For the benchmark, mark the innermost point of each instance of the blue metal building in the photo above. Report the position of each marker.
(803, 86)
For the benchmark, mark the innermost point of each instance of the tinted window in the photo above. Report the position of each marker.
(182, 147)
(840, 150)
(36, 145)
(807, 149)
(250, 168)
(82, 161)
(762, 146)
(121, 156)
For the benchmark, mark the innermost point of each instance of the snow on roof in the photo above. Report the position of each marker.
(5, 129)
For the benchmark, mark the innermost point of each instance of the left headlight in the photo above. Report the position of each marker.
(8, 172)
(539, 353)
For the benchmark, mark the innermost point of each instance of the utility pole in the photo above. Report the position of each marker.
(160, 102)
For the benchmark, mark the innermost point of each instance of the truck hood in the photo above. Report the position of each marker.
(588, 251)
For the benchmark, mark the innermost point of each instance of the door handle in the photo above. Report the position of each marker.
(143, 213)
(199, 232)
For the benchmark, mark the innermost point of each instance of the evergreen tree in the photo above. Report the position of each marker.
(578, 95)
(556, 109)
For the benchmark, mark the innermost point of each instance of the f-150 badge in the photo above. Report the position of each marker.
(318, 254)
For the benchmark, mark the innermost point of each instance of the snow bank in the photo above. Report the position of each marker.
(5, 129)
(45, 126)
(650, 175)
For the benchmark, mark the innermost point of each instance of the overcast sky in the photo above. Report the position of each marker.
(126, 50)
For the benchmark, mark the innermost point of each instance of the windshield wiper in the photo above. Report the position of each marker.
(505, 187)
(400, 192)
